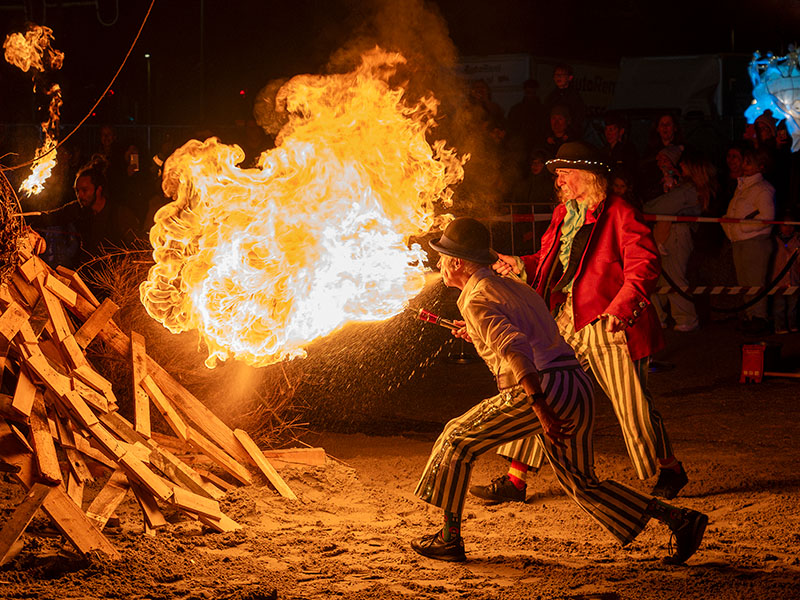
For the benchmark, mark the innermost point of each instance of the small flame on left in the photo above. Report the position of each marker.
(33, 52)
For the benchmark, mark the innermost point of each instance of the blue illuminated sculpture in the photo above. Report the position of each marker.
(776, 87)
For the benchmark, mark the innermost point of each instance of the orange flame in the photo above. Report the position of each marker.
(262, 261)
(45, 157)
(44, 161)
(33, 51)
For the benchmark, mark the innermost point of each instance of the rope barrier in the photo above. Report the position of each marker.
(766, 290)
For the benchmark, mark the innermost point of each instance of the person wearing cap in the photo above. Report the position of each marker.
(597, 269)
(543, 392)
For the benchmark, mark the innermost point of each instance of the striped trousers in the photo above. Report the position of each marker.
(507, 416)
(624, 381)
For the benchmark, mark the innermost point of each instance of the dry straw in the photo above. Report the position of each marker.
(10, 229)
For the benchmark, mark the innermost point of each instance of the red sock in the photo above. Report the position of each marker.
(669, 463)
(517, 472)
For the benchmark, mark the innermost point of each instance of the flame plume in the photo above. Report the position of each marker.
(34, 52)
(262, 261)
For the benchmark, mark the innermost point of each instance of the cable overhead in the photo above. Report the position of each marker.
(100, 99)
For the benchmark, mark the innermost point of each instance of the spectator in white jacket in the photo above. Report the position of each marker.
(752, 247)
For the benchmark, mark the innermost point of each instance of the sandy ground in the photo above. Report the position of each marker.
(348, 534)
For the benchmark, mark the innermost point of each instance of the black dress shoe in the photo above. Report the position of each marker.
(688, 535)
(660, 366)
(670, 482)
(434, 546)
(502, 489)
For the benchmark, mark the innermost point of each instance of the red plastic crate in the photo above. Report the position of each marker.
(752, 363)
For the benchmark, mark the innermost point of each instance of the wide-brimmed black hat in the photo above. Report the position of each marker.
(466, 238)
(577, 155)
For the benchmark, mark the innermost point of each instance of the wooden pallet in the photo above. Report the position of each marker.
(61, 423)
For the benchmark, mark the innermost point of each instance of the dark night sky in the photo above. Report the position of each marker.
(244, 44)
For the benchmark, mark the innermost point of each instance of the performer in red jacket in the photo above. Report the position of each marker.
(597, 268)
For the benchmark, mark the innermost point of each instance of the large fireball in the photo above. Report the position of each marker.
(262, 261)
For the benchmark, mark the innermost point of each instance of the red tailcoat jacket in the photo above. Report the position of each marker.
(617, 273)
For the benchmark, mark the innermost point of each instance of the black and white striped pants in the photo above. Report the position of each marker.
(624, 381)
(508, 416)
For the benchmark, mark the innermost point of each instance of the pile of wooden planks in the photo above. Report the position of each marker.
(59, 424)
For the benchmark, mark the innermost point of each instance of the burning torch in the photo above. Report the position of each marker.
(429, 317)
(461, 355)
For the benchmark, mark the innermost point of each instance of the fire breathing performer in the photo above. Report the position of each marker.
(543, 393)
(597, 269)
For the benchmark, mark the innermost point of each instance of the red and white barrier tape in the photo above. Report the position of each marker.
(520, 218)
(686, 219)
(784, 290)
(673, 218)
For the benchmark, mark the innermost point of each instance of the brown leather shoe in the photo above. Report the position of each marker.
(688, 536)
(434, 546)
(501, 489)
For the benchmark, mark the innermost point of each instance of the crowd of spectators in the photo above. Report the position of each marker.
(752, 176)
(107, 198)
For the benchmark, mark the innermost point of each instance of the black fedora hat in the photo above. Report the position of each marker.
(466, 238)
(577, 155)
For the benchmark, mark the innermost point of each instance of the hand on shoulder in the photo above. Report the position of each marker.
(506, 264)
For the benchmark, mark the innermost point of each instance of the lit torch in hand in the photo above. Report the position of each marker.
(461, 355)
(429, 317)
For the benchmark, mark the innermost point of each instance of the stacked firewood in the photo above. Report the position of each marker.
(60, 427)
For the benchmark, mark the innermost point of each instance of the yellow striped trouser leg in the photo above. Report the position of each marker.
(525, 450)
(617, 508)
(608, 357)
(496, 420)
(663, 445)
